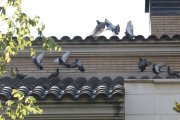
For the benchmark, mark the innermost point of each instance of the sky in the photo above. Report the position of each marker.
(78, 17)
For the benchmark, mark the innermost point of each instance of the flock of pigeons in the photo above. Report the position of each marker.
(63, 60)
(115, 29)
(156, 68)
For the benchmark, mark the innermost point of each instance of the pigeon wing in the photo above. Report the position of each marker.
(129, 29)
(98, 29)
(56, 61)
(65, 57)
(116, 30)
(157, 68)
(40, 57)
(73, 65)
(109, 25)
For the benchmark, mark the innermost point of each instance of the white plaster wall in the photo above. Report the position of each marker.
(151, 99)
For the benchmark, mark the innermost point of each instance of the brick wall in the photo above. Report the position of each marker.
(169, 25)
(116, 65)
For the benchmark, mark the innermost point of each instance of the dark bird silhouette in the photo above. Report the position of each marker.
(63, 60)
(157, 68)
(19, 75)
(173, 73)
(77, 64)
(98, 29)
(54, 74)
(111, 27)
(129, 30)
(143, 63)
(37, 60)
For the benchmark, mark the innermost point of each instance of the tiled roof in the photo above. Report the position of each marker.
(112, 38)
(43, 87)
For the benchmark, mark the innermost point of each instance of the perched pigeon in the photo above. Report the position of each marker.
(129, 30)
(157, 68)
(63, 60)
(111, 27)
(99, 28)
(173, 73)
(55, 74)
(78, 64)
(19, 75)
(37, 60)
(143, 63)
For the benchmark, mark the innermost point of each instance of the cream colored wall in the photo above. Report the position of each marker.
(151, 99)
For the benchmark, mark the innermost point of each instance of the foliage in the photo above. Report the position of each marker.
(177, 107)
(20, 108)
(19, 24)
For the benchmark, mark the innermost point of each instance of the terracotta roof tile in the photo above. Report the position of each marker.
(90, 39)
(42, 88)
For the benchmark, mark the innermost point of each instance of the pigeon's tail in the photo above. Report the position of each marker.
(81, 68)
(20, 76)
(41, 67)
(73, 65)
(142, 69)
(67, 65)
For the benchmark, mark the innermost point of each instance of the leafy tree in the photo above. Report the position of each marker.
(177, 107)
(19, 24)
(14, 22)
(20, 108)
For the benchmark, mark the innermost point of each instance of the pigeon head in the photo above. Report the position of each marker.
(130, 22)
(98, 22)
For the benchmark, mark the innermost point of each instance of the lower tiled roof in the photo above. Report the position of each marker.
(43, 87)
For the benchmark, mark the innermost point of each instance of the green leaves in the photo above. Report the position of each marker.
(1, 106)
(2, 117)
(17, 94)
(19, 24)
(177, 107)
(32, 51)
(49, 44)
(20, 108)
(9, 103)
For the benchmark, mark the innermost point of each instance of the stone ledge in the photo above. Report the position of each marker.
(157, 81)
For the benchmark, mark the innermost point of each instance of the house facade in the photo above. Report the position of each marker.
(112, 86)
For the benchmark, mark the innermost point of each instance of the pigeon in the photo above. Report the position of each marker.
(157, 68)
(129, 30)
(19, 75)
(111, 27)
(99, 28)
(37, 60)
(143, 63)
(55, 74)
(173, 73)
(77, 64)
(63, 60)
